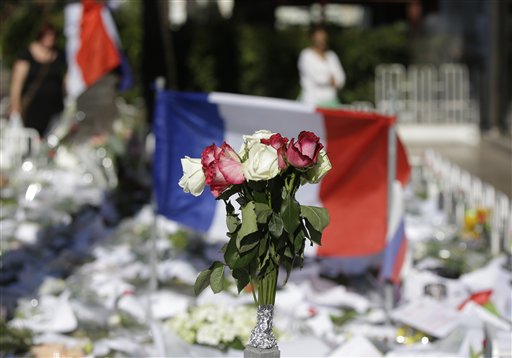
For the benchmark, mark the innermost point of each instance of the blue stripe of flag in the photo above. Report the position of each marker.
(392, 250)
(184, 124)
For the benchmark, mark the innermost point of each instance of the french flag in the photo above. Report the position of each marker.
(354, 191)
(396, 248)
(93, 47)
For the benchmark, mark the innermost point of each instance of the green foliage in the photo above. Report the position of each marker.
(272, 232)
(316, 216)
(202, 281)
(345, 317)
(261, 60)
(13, 341)
(268, 60)
(217, 277)
(22, 23)
(128, 18)
(249, 222)
(213, 277)
(361, 50)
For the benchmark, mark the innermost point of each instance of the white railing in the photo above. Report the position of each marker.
(426, 93)
(16, 143)
(462, 191)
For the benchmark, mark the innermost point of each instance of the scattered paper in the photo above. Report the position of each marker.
(429, 316)
(358, 346)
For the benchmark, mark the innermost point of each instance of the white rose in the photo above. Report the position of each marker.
(250, 140)
(262, 163)
(318, 171)
(193, 179)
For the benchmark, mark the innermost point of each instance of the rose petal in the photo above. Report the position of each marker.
(208, 155)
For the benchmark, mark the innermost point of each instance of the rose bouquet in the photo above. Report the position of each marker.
(270, 228)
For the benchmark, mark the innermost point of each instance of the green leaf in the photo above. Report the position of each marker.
(202, 281)
(230, 209)
(242, 278)
(263, 211)
(256, 186)
(249, 223)
(249, 242)
(281, 244)
(263, 246)
(217, 277)
(276, 226)
(260, 197)
(276, 190)
(288, 252)
(265, 259)
(274, 255)
(298, 241)
(223, 248)
(288, 265)
(290, 213)
(317, 217)
(232, 222)
(314, 236)
(241, 200)
(246, 258)
(231, 254)
(268, 266)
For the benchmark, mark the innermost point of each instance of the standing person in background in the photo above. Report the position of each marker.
(37, 85)
(321, 74)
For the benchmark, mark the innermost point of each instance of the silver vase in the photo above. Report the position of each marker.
(262, 336)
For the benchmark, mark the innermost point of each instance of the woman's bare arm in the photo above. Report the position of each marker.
(19, 75)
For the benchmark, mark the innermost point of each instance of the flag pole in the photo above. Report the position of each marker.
(155, 328)
(388, 286)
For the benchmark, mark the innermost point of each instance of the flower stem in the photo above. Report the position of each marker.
(267, 288)
(253, 290)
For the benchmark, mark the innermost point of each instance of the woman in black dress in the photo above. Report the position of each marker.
(37, 87)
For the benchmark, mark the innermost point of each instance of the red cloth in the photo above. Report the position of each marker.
(356, 190)
(98, 53)
(481, 298)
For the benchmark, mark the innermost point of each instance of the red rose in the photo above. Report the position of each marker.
(222, 168)
(304, 152)
(278, 142)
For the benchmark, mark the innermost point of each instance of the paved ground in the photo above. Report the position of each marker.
(491, 160)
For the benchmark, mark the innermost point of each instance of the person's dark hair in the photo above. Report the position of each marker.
(315, 28)
(44, 29)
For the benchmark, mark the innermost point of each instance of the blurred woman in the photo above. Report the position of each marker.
(321, 73)
(37, 84)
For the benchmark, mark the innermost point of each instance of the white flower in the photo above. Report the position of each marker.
(214, 325)
(318, 171)
(208, 334)
(262, 163)
(193, 179)
(250, 140)
(228, 333)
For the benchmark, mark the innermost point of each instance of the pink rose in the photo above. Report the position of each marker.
(208, 155)
(278, 142)
(222, 168)
(304, 152)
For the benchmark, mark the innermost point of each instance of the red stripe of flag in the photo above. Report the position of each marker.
(355, 191)
(98, 53)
